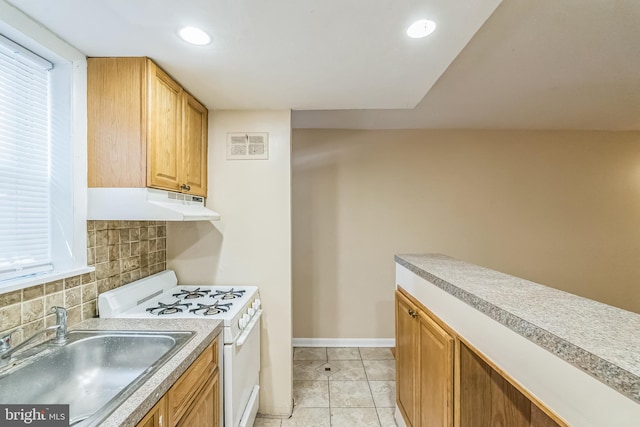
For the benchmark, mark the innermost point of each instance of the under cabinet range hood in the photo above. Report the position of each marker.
(146, 204)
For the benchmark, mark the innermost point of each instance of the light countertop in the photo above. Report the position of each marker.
(597, 338)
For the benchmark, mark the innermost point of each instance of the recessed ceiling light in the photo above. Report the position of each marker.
(421, 28)
(194, 35)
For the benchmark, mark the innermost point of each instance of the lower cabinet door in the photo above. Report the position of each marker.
(406, 359)
(205, 410)
(436, 374)
(157, 416)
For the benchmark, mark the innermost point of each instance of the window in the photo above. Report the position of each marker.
(42, 155)
(25, 241)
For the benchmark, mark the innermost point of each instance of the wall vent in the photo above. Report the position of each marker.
(248, 146)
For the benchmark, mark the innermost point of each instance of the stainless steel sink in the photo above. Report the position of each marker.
(94, 372)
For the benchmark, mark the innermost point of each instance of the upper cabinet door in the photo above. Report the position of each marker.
(164, 143)
(194, 147)
(117, 122)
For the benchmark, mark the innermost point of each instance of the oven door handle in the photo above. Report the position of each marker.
(247, 330)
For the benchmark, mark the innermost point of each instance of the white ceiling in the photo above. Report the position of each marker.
(277, 54)
(545, 64)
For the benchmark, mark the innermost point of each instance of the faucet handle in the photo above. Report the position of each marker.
(5, 339)
(61, 324)
(55, 309)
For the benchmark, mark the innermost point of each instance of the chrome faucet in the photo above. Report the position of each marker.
(61, 335)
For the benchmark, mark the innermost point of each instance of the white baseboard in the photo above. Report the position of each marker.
(344, 342)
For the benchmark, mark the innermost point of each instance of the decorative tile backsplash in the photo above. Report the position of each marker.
(120, 251)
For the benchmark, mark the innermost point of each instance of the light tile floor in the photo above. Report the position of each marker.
(341, 387)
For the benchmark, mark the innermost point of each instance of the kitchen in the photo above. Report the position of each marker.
(306, 231)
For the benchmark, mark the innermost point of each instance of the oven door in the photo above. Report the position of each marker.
(241, 376)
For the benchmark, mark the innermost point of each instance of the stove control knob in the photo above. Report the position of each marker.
(257, 304)
(244, 321)
(251, 311)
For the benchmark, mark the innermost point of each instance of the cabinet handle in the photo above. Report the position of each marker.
(185, 187)
(413, 313)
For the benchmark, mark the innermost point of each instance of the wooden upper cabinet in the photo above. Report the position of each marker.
(117, 127)
(144, 129)
(194, 147)
(164, 144)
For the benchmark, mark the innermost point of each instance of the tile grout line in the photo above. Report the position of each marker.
(329, 390)
(375, 407)
(330, 379)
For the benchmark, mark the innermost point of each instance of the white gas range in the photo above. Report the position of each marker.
(238, 307)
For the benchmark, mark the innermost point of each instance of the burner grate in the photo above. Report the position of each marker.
(230, 294)
(211, 309)
(196, 293)
(164, 309)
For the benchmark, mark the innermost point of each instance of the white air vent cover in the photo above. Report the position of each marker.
(248, 146)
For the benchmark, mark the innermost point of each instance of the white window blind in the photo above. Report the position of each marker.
(25, 243)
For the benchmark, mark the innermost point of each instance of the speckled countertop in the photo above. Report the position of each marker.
(138, 404)
(602, 340)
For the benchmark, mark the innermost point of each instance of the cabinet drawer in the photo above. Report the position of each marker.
(182, 393)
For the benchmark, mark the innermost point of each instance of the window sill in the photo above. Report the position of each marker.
(26, 282)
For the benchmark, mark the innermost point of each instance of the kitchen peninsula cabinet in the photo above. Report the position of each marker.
(424, 366)
(428, 371)
(524, 354)
(144, 129)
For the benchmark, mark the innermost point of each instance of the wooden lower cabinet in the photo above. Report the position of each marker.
(406, 358)
(442, 382)
(435, 379)
(488, 399)
(157, 416)
(424, 367)
(194, 399)
(202, 412)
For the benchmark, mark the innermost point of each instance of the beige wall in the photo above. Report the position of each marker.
(252, 242)
(558, 208)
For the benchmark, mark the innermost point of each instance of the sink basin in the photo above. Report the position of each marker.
(94, 372)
